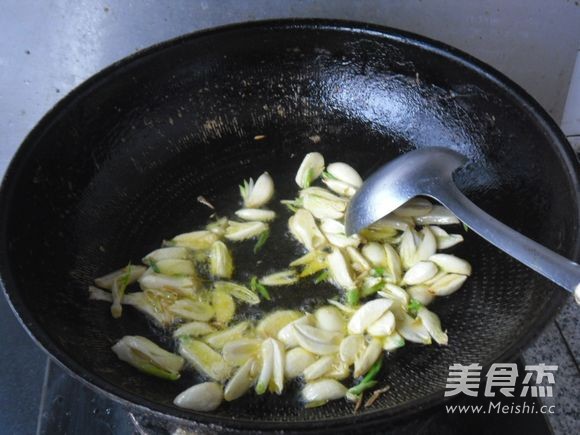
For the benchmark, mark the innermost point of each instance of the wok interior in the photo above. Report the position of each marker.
(117, 169)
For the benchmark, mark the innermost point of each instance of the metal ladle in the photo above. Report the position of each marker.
(428, 172)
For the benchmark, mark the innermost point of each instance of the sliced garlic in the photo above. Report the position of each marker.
(310, 169)
(451, 264)
(412, 329)
(395, 293)
(189, 309)
(238, 231)
(287, 334)
(351, 347)
(432, 324)
(267, 353)
(393, 341)
(271, 325)
(330, 318)
(447, 284)
(420, 272)
(318, 368)
(205, 397)
(317, 340)
(345, 173)
(185, 286)
(297, 360)
(428, 245)
(107, 280)
(338, 371)
(219, 339)
(340, 187)
(255, 214)
(193, 329)
(367, 315)
(196, 240)
(393, 222)
(323, 390)
(444, 239)
(375, 254)
(278, 369)
(221, 264)
(339, 270)
(239, 351)
(415, 207)
(285, 277)
(358, 261)
(173, 252)
(240, 382)
(394, 267)
(218, 227)
(408, 248)
(370, 355)
(382, 327)
(204, 359)
(421, 293)
(304, 229)
(257, 194)
(438, 215)
(323, 204)
(238, 291)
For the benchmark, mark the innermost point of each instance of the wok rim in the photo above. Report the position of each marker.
(135, 402)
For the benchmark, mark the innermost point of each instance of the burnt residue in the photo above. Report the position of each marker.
(118, 165)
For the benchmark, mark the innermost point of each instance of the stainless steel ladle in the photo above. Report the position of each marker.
(428, 172)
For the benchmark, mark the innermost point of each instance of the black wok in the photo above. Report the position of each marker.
(117, 165)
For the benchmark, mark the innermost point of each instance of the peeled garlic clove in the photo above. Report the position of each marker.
(238, 291)
(394, 266)
(420, 272)
(240, 382)
(408, 248)
(428, 245)
(338, 371)
(318, 368)
(218, 227)
(342, 241)
(147, 357)
(332, 226)
(195, 240)
(375, 254)
(421, 293)
(219, 339)
(432, 324)
(438, 215)
(201, 397)
(367, 315)
(370, 355)
(185, 286)
(323, 207)
(345, 173)
(317, 340)
(297, 360)
(395, 293)
(393, 222)
(193, 329)
(323, 390)
(393, 341)
(224, 306)
(339, 270)
(451, 264)
(412, 329)
(330, 319)
(445, 240)
(304, 229)
(255, 214)
(238, 231)
(414, 207)
(204, 359)
(239, 351)
(133, 275)
(278, 369)
(351, 347)
(257, 194)
(358, 261)
(340, 187)
(192, 310)
(271, 325)
(383, 326)
(221, 264)
(447, 284)
(172, 266)
(310, 169)
(285, 277)
(267, 352)
(287, 334)
(173, 252)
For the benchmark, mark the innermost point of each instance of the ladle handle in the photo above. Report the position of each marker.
(556, 268)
